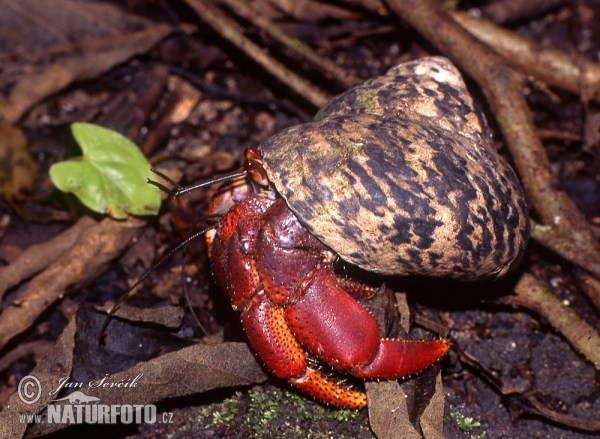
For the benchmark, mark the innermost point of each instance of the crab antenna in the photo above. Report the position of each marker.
(187, 294)
(121, 299)
(184, 190)
(174, 193)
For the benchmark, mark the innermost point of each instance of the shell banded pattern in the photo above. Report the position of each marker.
(399, 176)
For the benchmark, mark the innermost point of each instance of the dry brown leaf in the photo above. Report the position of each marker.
(432, 419)
(45, 46)
(18, 170)
(39, 256)
(184, 371)
(190, 371)
(393, 408)
(388, 412)
(56, 363)
(85, 260)
(133, 351)
(390, 416)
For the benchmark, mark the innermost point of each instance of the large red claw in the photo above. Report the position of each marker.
(340, 331)
(331, 325)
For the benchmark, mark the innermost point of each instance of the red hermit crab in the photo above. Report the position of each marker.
(398, 176)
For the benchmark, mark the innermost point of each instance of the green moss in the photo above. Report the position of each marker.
(352, 146)
(279, 413)
(367, 98)
(465, 423)
(228, 412)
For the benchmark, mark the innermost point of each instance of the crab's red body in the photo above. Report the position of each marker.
(281, 280)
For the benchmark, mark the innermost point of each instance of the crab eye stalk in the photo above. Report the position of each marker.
(254, 167)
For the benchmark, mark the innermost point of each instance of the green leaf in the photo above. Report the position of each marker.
(111, 175)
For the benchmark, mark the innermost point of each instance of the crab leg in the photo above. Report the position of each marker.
(281, 280)
(320, 387)
(275, 344)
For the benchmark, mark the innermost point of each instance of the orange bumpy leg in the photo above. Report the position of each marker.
(272, 339)
(275, 344)
(318, 385)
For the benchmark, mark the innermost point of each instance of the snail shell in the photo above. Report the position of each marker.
(399, 175)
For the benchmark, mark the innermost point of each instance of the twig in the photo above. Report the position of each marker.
(339, 74)
(357, 35)
(558, 134)
(532, 295)
(216, 92)
(554, 67)
(228, 30)
(564, 247)
(501, 11)
(37, 348)
(590, 286)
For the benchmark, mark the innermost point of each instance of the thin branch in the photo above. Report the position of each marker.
(228, 29)
(564, 247)
(590, 286)
(501, 11)
(86, 258)
(531, 294)
(245, 10)
(554, 67)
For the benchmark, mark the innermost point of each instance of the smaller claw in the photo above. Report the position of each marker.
(402, 358)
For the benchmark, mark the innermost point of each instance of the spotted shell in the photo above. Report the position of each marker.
(399, 176)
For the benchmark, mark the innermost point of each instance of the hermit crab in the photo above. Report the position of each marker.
(398, 176)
